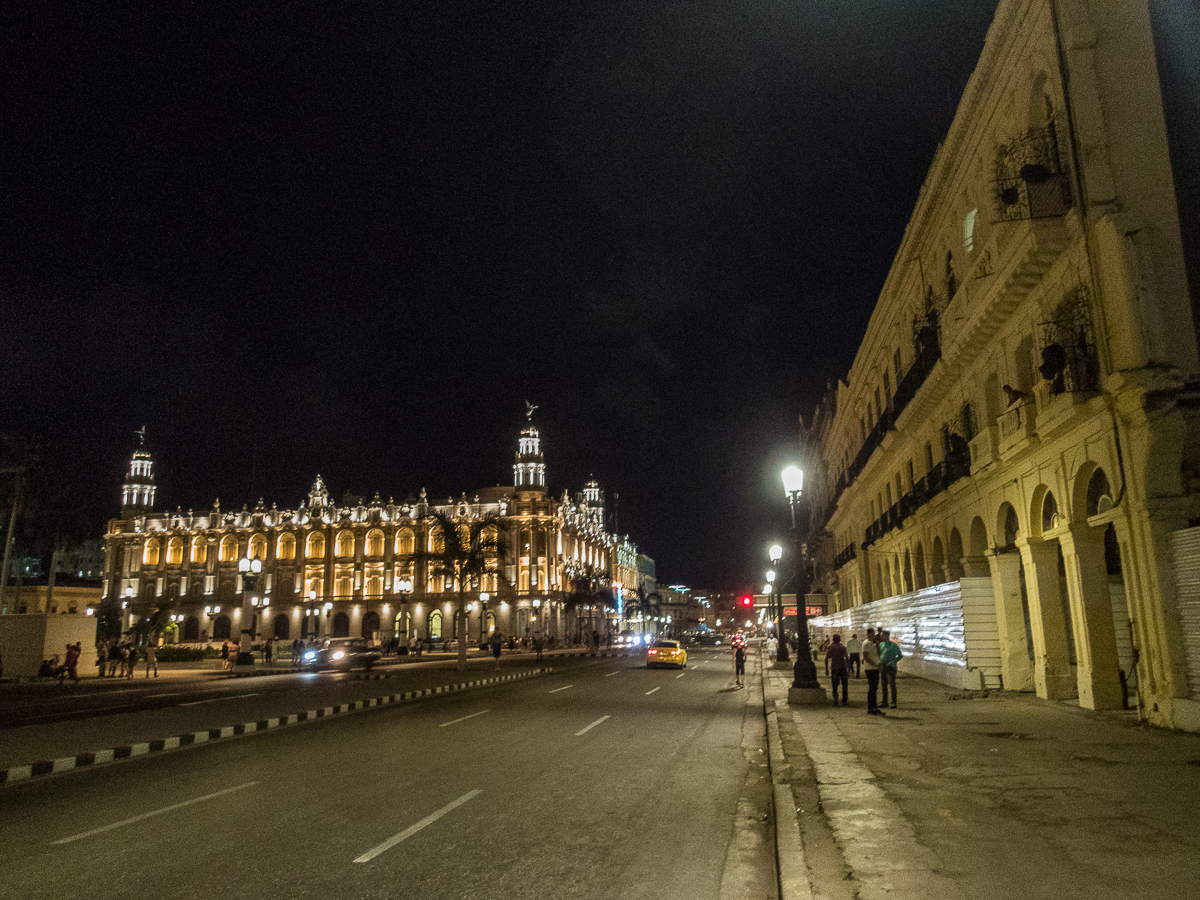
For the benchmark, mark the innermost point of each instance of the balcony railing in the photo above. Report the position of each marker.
(939, 478)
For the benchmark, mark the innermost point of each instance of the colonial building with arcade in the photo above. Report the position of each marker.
(362, 567)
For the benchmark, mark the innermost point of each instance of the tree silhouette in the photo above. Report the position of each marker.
(465, 552)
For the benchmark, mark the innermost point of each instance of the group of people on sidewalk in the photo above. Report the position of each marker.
(121, 658)
(878, 654)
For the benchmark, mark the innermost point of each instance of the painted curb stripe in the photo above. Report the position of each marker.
(94, 757)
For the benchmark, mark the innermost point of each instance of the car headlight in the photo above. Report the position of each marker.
(310, 655)
(339, 654)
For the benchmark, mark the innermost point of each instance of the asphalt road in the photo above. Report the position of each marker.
(601, 779)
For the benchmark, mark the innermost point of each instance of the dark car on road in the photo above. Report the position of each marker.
(340, 653)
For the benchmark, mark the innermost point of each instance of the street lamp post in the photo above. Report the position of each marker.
(404, 588)
(484, 597)
(250, 570)
(781, 654)
(805, 672)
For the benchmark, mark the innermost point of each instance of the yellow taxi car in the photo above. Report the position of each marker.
(666, 653)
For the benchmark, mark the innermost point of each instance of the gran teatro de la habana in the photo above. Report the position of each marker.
(360, 568)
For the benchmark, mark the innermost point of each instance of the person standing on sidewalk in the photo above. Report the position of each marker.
(854, 648)
(838, 662)
(739, 664)
(871, 664)
(151, 659)
(497, 644)
(889, 656)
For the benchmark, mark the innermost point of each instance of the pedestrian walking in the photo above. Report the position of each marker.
(537, 645)
(870, 658)
(70, 667)
(497, 646)
(268, 651)
(101, 656)
(739, 664)
(889, 656)
(151, 660)
(114, 657)
(132, 661)
(838, 661)
(225, 654)
(824, 649)
(772, 648)
(854, 648)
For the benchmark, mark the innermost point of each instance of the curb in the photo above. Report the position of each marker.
(130, 751)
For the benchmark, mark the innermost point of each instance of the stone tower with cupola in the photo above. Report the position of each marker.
(137, 494)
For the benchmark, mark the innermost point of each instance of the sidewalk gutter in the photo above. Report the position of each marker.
(130, 751)
(789, 848)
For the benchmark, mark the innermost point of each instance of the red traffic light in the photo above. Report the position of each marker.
(747, 601)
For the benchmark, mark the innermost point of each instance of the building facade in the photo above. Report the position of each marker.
(1023, 406)
(360, 567)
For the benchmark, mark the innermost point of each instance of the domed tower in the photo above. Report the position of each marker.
(529, 471)
(137, 494)
(592, 501)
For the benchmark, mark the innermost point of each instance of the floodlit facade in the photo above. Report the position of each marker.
(357, 568)
(1010, 469)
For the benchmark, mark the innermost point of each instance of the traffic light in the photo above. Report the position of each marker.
(747, 601)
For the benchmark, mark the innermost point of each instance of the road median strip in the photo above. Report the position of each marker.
(130, 751)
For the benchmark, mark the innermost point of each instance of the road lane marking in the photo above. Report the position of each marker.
(463, 719)
(610, 674)
(556, 690)
(413, 829)
(593, 725)
(648, 693)
(681, 674)
(215, 699)
(157, 812)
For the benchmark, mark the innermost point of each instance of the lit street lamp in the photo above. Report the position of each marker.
(250, 570)
(805, 672)
(781, 653)
(484, 597)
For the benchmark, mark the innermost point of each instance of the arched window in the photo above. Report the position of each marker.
(345, 543)
(285, 548)
(258, 547)
(374, 586)
(150, 553)
(405, 542)
(229, 549)
(437, 543)
(174, 551)
(434, 630)
(221, 628)
(315, 546)
(375, 542)
(341, 625)
(282, 627)
(199, 549)
(343, 588)
(191, 629)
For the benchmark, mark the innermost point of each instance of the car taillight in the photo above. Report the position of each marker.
(654, 653)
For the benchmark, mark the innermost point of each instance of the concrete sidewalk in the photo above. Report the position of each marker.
(978, 795)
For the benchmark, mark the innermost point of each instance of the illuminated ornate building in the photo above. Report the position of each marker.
(1008, 476)
(358, 568)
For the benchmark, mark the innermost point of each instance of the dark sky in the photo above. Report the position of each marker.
(353, 238)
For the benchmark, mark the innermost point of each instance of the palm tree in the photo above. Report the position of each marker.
(589, 588)
(465, 552)
(645, 605)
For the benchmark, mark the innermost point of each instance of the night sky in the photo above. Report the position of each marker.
(354, 238)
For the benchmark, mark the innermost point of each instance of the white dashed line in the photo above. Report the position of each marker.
(463, 719)
(648, 693)
(556, 690)
(413, 829)
(215, 699)
(157, 812)
(593, 725)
